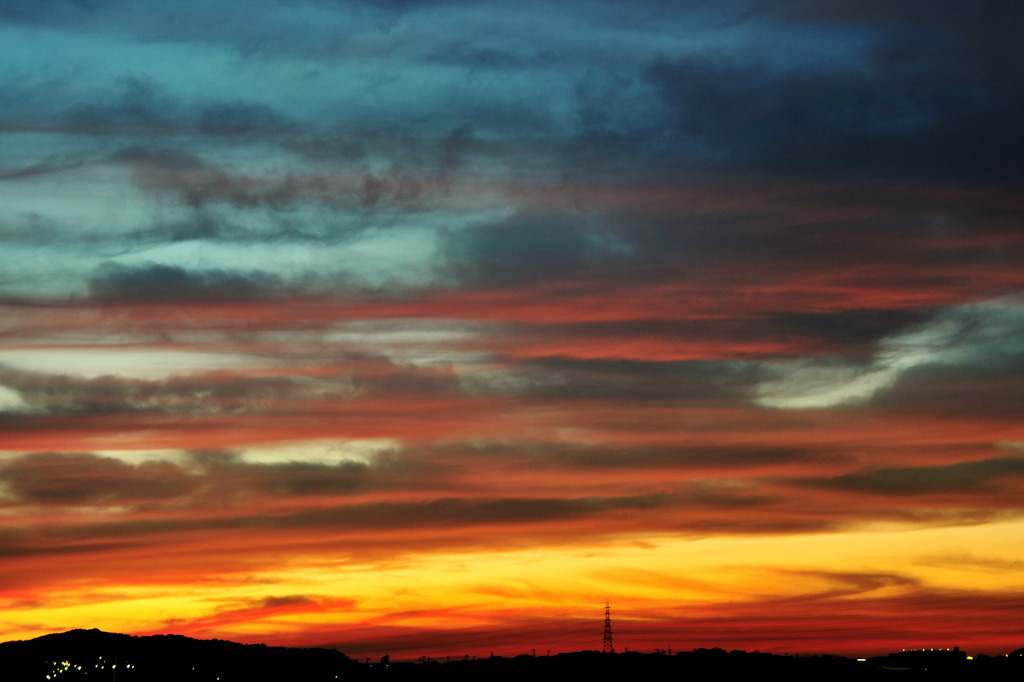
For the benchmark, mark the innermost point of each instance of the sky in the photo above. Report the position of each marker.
(427, 326)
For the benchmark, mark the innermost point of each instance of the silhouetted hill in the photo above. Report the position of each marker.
(92, 655)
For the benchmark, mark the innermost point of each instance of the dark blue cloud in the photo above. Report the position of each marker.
(155, 282)
(528, 248)
(927, 98)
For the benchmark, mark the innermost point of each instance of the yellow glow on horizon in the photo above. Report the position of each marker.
(476, 589)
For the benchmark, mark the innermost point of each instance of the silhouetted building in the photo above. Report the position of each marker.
(922, 659)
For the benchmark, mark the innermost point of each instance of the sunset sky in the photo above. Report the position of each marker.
(426, 326)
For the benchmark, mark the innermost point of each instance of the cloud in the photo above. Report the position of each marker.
(979, 391)
(42, 168)
(242, 118)
(200, 389)
(767, 335)
(573, 459)
(62, 376)
(165, 283)
(46, 11)
(926, 100)
(251, 611)
(969, 561)
(994, 474)
(841, 585)
(531, 248)
(82, 478)
(978, 335)
(10, 399)
(863, 624)
(235, 476)
(197, 183)
(140, 106)
(633, 381)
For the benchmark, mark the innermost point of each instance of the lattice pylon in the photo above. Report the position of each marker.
(606, 646)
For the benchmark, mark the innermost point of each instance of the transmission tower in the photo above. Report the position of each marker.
(606, 646)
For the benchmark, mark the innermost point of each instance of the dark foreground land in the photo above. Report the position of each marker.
(94, 656)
